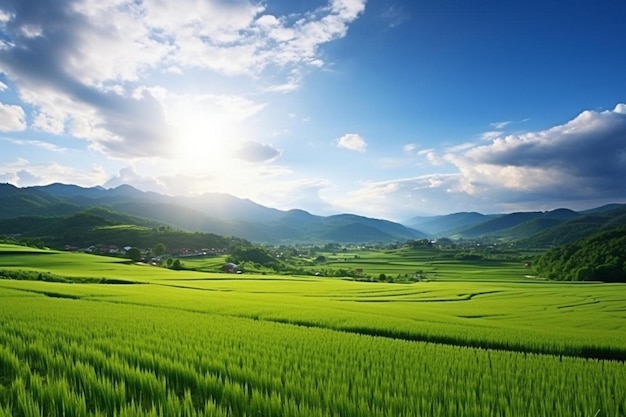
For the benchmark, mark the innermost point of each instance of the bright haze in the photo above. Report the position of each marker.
(382, 108)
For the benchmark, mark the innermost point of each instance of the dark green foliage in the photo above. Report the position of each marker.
(421, 243)
(469, 256)
(134, 254)
(159, 249)
(253, 254)
(20, 275)
(320, 259)
(103, 226)
(600, 257)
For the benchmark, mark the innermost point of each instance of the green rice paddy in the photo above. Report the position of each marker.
(479, 339)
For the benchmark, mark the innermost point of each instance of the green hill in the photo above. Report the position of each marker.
(601, 257)
(577, 228)
(101, 226)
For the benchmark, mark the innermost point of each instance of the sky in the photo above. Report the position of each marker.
(388, 109)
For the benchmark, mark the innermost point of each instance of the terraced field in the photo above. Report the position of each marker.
(149, 341)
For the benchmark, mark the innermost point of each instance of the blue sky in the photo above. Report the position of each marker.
(389, 109)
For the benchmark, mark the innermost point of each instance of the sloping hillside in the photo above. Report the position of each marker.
(601, 256)
(578, 228)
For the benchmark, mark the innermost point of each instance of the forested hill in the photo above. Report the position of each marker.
(601, 257)
(98, 226)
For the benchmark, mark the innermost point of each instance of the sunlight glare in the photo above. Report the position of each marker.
(203, 139)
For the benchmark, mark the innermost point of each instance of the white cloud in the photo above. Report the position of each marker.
(12, 118)
(22, 173)
(48, 124)
(128, 175)
(227, 37)
(37, 143)
(258, 152)
(80, 64)
(297, 193)
(353, 142)
(491, 134)
(500, 125)
(431, 156)
(579, 164)
(582, 158)
(401, 198)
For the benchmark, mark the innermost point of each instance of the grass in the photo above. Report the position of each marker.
(480, 339)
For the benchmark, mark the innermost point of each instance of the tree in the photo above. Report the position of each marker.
(320, 259)
(134, 254)
(585, 273)
(159, 249)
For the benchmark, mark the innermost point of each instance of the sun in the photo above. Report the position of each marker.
(203, 139)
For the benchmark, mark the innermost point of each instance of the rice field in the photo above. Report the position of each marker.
(190, 343)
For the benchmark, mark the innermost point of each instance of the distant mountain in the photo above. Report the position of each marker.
(602, 209)
(579, 227)
(393, 231)
(528, 228)
(537, 229)
(448, 225)
(513, 224)
(221, 214)
(226, 215)
(22, 202)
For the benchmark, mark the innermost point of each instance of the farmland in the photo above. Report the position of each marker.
(477, 338)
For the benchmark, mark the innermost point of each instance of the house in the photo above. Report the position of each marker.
(231, 268)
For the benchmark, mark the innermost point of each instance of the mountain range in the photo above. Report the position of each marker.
(226, 215)
(220, 214)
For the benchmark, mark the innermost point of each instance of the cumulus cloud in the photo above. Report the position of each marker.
(353, 142)
(226, 37)
(49, 124)
(258, 152)
(584, 158)
(579, 164)
(80, 63)
(12, 118)
(591, 144)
